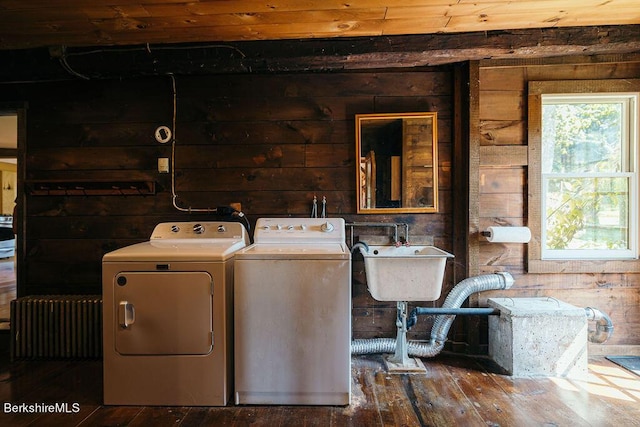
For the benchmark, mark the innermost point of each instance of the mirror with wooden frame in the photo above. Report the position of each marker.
(397, 168)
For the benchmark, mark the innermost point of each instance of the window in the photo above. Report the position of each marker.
(583, 176)
(589, 176)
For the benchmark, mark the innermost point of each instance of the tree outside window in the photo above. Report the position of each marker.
(588, 177)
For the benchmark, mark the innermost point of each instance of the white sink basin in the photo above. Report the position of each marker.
(405, 273)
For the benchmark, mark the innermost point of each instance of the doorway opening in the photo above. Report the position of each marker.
(8, 198)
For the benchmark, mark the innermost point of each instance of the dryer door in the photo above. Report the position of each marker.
(163, 313)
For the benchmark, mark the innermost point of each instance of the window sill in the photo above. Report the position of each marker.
(582, 266)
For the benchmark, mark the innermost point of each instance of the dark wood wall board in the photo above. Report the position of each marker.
(269, 108)
(568, 281)
(605, 59)
(71, 278)
(503, 254)
(436, 81)
(502, 180)
(264, 155)
(508, 156)
(487, 222)
(269, 179)
(372, 322)
(56, 206)
(502, 132)
(47, 249)
(118, 134)
(89, 158)
(237, 156)
(508, 205)
(393, 104)
(113, 105)
(503, 105)
(91, 174)
(92, 227)
(502, 115)
(503, 78)
(615, 68)
(260, 132)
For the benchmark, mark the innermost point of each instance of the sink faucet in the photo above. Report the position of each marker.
(402, 242)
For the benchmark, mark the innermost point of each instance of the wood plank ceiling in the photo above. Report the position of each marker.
(39, 23)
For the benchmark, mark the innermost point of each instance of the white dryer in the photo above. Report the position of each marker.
(168, 316)
(293, 314)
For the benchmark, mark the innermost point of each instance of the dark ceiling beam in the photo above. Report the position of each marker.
(334, 54)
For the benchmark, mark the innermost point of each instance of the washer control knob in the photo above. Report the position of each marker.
(290, 227)
(303, 227)
(265, 227)
(175, 228)
(221, 229)
(279, 226)
(198, 228)
(327, 227)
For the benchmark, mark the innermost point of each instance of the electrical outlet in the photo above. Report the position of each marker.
(163, 164)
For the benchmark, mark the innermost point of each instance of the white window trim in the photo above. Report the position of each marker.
(629, 125)
(536, 264)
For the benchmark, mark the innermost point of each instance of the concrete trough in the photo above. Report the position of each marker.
(538, 337)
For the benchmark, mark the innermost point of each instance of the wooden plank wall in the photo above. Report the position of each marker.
(503, 191)
(270, 142)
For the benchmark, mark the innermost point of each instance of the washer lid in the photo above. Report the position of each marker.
(177, 250)
(293, 251)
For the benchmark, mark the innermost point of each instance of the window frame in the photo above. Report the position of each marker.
(628, 171)
(537, 89)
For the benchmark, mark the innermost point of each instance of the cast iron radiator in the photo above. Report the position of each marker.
(56, 327)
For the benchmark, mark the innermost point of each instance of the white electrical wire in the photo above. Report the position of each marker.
(174, 195)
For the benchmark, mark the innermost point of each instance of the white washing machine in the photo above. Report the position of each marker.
(293, 314)
(168, 316)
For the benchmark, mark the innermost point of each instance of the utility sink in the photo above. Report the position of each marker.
(405, 273)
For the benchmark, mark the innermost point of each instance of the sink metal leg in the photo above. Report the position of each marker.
(401, 361)
(401, 355)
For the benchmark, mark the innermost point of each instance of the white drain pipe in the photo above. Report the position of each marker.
(442, 324)
(604, 325)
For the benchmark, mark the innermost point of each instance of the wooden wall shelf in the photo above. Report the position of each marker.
(91, 188)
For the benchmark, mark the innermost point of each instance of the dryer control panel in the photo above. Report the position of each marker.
(199, 230)
(300, 230)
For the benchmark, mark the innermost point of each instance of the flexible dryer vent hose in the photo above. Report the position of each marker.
(442, 324)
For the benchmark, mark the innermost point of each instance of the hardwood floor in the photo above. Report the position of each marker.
(455, 391)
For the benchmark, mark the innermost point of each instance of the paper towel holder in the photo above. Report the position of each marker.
(507, 234)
